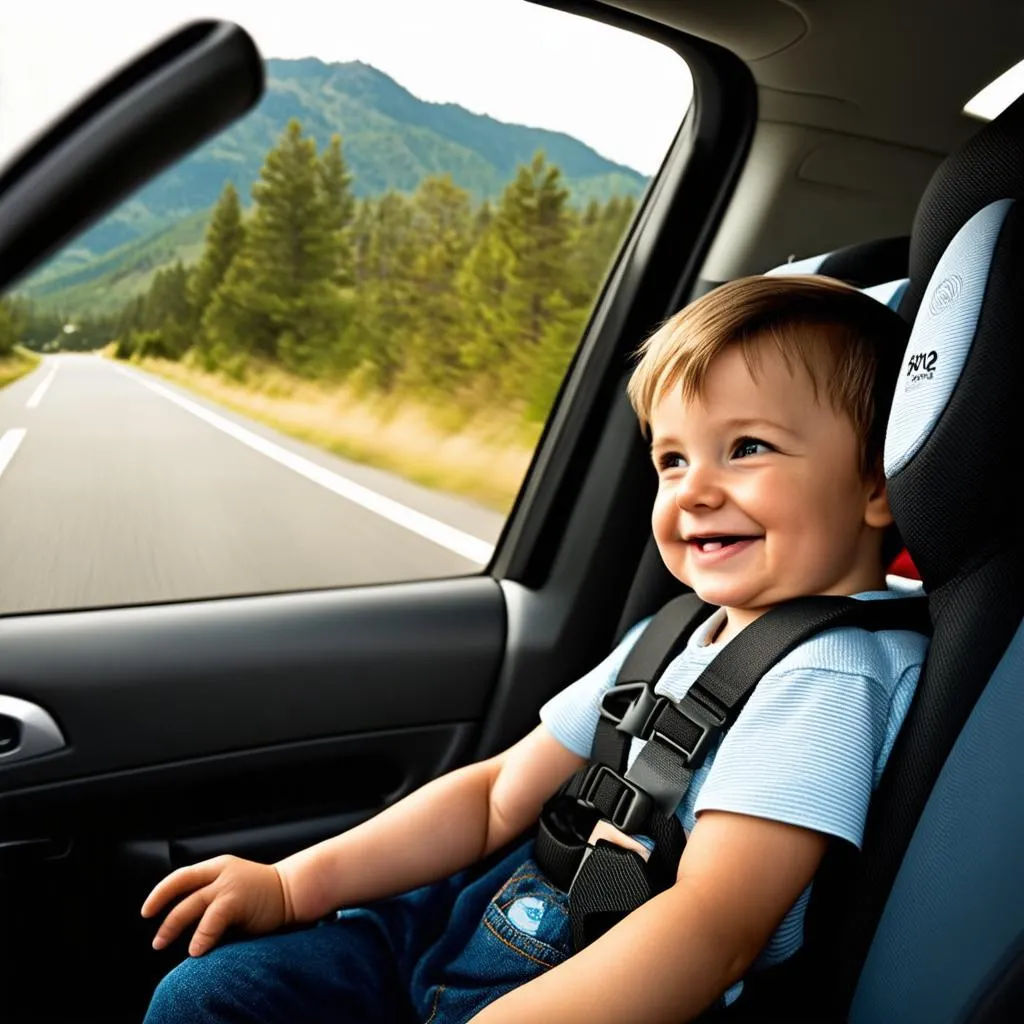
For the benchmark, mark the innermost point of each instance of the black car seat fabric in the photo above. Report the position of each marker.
(986, 168)
(936, 895)
(863, 265)
(878, 269)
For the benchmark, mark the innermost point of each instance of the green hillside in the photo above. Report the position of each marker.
(392, 140)
(75, 283)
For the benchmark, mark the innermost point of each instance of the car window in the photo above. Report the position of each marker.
(321, 349)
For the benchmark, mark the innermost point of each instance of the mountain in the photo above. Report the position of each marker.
(78, 281)
(391, 139)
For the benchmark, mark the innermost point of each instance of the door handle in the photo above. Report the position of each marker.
(26, 730)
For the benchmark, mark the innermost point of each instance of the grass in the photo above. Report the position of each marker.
(483, 455)
(16, 364)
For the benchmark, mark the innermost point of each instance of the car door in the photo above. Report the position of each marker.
(160, 723)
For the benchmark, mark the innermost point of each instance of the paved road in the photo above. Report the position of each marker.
(118, 488)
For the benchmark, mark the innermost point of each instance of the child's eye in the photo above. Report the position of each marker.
(671, 460)
(747, 446)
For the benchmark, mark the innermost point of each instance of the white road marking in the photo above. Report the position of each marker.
(469, 547)
(37, 395)
(9, 445)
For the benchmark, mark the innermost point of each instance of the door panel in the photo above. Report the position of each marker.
(143, 686)
(254, 726)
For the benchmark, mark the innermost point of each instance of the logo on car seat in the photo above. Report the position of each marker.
(945, 294)
(920, 367)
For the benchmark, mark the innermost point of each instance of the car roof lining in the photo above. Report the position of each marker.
(807, 56)
(858, 105)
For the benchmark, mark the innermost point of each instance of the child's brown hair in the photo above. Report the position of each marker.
(850, 345)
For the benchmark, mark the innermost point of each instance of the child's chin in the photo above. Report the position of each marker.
(722, 596)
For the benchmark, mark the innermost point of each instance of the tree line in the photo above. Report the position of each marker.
(10, 327)
(428, 293)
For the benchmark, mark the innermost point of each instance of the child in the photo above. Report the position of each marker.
(767, 401)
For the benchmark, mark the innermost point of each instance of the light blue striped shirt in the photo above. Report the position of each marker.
(807, 749)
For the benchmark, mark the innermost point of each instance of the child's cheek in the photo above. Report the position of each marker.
(664, 521)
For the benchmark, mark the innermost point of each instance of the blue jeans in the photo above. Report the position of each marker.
(438, 954)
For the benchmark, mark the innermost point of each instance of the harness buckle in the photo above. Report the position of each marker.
(630, 806)
(612, 700)
(641, 714)
(710, 726)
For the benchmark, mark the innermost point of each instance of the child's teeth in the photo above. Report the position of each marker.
(711, 545)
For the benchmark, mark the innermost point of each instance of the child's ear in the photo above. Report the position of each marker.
(876, 510)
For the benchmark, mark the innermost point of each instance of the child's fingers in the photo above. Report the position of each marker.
(179, 882)
(186, 911)
(210, 928)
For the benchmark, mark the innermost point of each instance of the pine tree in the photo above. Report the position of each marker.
(489, 329)
(520, 278)
(361, 234)
(339, 208)
(534, 222)
(168, 311)
(560, 339)
(375, 338)
(482, 221)
(224, 237)
(8, 328)
(600, 235)
(279, 298)
(438, 245)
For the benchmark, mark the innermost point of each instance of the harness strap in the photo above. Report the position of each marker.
(679, 735)
(665, 636)
(570, 815)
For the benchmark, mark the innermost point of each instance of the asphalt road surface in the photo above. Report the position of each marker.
(120, 488)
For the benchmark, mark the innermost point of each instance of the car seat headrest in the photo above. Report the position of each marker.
(862, 265)
(989, 166)
(952, 442)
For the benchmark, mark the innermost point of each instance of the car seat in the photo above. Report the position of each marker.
(927, 923)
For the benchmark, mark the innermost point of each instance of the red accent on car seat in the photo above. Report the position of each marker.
(903, 565)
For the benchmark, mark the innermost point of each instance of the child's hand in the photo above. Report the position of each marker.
(220, 892)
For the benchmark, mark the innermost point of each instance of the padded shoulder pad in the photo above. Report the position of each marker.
(952, 446)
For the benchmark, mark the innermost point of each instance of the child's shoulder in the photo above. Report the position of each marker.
(884, 656)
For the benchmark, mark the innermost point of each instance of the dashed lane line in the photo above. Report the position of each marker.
(37, 395)
(9, 445)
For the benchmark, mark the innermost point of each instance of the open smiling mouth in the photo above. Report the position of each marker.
(719, 543)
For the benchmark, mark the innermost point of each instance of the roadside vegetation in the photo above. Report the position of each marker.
(483, 456)
(15, 361)
(425, 332)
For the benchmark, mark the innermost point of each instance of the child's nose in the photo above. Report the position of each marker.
(699, 486)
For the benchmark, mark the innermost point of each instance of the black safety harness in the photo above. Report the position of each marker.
(604, 880)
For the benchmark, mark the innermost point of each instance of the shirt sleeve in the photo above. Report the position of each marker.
(803, 751)
(901, 698)
(571, 715)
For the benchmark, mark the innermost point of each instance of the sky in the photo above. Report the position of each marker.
(621, 94)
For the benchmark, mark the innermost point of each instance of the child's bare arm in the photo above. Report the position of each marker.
(669, 959)
(446, 825)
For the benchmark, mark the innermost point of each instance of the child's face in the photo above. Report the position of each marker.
(775, 477)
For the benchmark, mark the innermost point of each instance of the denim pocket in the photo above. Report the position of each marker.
(523, 932)
(531, 917)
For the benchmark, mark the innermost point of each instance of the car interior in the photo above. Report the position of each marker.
(823, 137)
